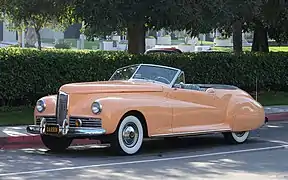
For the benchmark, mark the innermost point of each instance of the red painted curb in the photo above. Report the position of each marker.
(20, 142)
(283, 116)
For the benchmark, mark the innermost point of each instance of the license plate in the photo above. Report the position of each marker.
(52, 129)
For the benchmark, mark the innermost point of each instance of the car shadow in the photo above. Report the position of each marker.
(158, 147)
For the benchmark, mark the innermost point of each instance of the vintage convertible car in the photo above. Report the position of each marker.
(144, 101)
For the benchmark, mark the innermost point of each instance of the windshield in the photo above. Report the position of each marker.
(146, 72)
(155, 73)
(124, 73)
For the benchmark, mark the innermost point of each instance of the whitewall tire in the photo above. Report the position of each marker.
(236, 137)
(129, 136)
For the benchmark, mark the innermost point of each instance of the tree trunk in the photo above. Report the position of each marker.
(136, 38)
(237, 37)
(255, 44)
(260, 39)
(38, 38)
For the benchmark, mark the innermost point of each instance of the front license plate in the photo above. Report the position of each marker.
(52, 129)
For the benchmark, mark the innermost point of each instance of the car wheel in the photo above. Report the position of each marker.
(56, 144)
(129, 136)
(236, 137)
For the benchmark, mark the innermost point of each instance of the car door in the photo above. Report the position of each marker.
(195, 110)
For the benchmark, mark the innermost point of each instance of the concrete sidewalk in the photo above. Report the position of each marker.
(16, 137)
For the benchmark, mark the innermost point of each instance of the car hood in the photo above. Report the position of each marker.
(111, 86)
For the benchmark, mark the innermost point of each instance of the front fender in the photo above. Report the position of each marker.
(153, 106)
(50, 110)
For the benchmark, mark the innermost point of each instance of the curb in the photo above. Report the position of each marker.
(281, 116)
(20, 142)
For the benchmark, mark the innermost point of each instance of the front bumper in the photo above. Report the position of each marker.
(65, 130)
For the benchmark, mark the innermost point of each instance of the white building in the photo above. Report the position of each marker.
(11, 36)
(6, 35)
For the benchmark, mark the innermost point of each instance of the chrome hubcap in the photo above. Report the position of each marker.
(130, 135)
(240, 134)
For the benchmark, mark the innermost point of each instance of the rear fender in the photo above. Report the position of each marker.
(244, 113)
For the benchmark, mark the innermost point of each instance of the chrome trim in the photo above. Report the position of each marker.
(86, 131)
(49, 119)
(100, 107)
(86, 122)
(175, 78)
(42, 125)
(191, 133)
(139, 65)
(44, 105)
(72, 132)
(63, 112)
(156, 65)
(130, 135)
(65, 127)
(65, 130)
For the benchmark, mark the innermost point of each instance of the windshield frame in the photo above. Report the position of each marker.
(124, 68)
(153, 65)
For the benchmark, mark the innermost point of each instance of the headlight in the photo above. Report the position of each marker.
(96, 107)
(40, 105)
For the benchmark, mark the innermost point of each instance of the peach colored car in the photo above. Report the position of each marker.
(144, 101)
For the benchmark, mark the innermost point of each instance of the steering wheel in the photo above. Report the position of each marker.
(162, 78)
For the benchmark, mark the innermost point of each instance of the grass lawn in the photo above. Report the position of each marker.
(96, 45)
(17, 116)
(24, 115)
(271, 49)
(73, 43)
(273, 98)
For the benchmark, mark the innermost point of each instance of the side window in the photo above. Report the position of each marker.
(181, 78)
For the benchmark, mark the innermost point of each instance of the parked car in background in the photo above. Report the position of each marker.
(163, 50)
(144, 101)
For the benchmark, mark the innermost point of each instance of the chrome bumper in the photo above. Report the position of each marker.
(65, 130)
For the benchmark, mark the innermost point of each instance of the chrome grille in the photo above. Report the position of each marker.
(86, 122)
(61, 109)
(49, 120)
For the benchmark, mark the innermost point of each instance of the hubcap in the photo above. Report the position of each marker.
(240, 134)
(130, 135)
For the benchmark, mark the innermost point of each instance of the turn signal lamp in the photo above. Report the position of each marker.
(78, 123)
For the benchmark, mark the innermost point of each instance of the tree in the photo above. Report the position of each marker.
(36, 14)
(137, 16)
(233, 18)
(263, 17)
(272, 21)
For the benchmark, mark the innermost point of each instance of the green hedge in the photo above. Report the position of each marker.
(27, 74)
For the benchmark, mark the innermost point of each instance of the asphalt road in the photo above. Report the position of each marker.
(263, 157)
